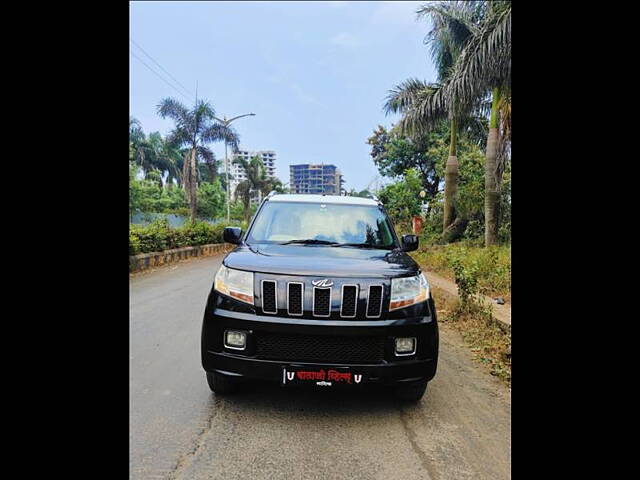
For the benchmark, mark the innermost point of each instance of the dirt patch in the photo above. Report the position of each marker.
(489, 344)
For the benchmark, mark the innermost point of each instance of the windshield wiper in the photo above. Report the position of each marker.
(309, 241)
(360, 245)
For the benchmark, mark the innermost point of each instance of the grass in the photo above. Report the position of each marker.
(492, 265)
(490, 345)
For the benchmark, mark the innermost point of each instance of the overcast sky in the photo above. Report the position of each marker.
(315, 73)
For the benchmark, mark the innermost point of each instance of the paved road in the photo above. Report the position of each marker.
(180, 430)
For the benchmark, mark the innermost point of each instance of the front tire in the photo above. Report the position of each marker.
(413, 392)
(220, 384)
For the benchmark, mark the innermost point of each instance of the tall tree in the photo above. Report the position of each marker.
(448, 36)
(483, 69)
(394, 153)
(194, 129)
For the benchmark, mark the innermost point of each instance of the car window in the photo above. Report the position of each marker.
(280, 222)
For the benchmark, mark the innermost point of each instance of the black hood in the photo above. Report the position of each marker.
(319, 260)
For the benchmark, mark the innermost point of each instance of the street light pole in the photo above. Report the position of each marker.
(226, 169)
(226, 123)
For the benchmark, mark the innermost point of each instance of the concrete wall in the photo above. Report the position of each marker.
(143, 261)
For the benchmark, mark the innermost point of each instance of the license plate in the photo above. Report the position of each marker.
(322, 377)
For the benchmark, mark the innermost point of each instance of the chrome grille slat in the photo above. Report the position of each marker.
(270, 297)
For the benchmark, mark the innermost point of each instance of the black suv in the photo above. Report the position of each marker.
(319, 291)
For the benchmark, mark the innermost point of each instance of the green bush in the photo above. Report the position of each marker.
(159, 236)
(134, 244)
(480, 270)
(466, 277)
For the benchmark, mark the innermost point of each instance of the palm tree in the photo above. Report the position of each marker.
(452, 29)
(484, 67)
(271, 184)
(164, 157)
(255, 183)
(139, 150)
(194, 129)
(135, 132)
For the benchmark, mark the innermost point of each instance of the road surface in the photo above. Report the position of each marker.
(179, 429)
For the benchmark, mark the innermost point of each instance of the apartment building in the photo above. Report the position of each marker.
(316, 179)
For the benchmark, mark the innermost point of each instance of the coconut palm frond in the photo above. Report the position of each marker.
(206, 155)
(485, 62)
(179, 137)
(202, 116)
(175, 110)
(136, 134)
(243, 191)
(204, 110)
(454, 23)
(404, 95)
(454, 14)
(422, 105)
(475, 128)
(217, 132)
(210, 161)
(242, 162)
(135, 127)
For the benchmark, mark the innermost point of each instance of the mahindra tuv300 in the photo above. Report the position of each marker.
(319, 291)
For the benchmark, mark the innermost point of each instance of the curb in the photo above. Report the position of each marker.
(143, 261)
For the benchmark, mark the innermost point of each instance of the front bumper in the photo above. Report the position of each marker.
(390, 370)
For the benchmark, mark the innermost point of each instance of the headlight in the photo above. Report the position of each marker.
(235, 283)
(408, 291)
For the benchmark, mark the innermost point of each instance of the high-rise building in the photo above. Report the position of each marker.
(268, 158)
(316, 179)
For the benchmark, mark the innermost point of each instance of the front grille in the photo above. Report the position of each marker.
(269, 302)
(321, 302)
(319, 348)
(374, 302)
(348, 298)
(349, 301)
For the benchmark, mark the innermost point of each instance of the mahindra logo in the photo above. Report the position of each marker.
(325, 282)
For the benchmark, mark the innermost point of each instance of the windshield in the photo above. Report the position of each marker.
(319, 223)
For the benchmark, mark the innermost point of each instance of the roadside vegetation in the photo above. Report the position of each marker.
(488, 268)
(159, 236)
(472, 316)
(454, 131)
(490, 345)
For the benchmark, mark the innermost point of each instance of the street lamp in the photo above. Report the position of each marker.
(226, 123)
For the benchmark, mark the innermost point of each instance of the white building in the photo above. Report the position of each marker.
(268, 158)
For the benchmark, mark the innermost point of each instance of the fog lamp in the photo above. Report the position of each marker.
(235, 340)
(405, 346)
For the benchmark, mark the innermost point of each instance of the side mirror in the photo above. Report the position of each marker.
(232, 235)
(409, 243)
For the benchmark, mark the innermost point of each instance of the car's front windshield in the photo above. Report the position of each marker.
(322, 224)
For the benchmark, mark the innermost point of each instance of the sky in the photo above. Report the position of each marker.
(316, 74)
